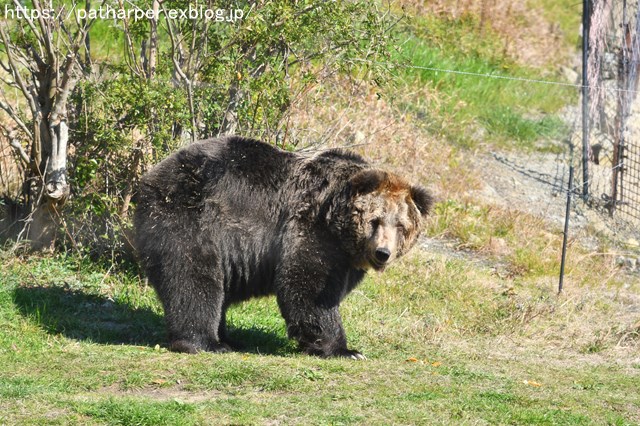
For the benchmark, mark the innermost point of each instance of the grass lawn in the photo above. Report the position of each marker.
(511, 113)
(81, 344)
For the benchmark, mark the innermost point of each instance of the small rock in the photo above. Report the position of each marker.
(633, 243)
(498, 246)
(570, 74)
(627, 262)
(358, 137)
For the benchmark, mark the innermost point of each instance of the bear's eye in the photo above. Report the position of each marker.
(401, 228)
(375, 223)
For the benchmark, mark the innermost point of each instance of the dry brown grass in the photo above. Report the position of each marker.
(526, 34)
(461, 305)
(352, 115)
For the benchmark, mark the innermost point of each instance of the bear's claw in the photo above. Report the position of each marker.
(351, 354)
(358, 356)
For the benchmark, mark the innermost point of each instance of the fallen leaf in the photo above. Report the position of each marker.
(509, 292)
(436, 364)
(532, 383)
(412, 359)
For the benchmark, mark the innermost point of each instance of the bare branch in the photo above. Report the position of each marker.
(37, 57)
(15, 71)
(15, 144)
(132, 61)
(87, 41)
(23, 61)
(14, 116)
(31, 25)
(17, 147)
(153, 41)
(45, 28)
(9, 83)
(175, 46)
(4, 66)
(202, 51)
(69, 78)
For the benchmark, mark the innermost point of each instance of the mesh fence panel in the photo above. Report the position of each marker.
(614, 154)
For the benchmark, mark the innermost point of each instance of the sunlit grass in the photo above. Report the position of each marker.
(431, 323)
(451, 57)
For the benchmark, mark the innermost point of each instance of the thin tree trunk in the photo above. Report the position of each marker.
(153, 42)
(52, 63)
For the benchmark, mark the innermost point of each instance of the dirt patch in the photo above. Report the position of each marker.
(161, 393)
(535, 184)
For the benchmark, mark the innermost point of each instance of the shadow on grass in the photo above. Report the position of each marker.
(82, 316)
(98, 319)
(258, 341)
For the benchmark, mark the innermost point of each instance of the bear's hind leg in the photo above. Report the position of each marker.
(193, 315)
(223, 334)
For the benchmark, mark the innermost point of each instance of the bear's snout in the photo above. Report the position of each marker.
(383, 254)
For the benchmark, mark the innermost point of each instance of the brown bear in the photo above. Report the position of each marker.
(224, 220)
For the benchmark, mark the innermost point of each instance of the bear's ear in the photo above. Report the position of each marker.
(367, 181)
(422, 199)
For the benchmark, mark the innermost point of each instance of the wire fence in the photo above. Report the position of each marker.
(613, 162)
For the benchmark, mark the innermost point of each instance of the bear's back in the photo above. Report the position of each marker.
(233, 169)
(216, 202)
(246, 177)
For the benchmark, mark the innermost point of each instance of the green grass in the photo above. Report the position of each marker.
(514, 113)
(83, 345)
(521, 241)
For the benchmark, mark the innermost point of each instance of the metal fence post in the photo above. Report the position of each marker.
(586, 21)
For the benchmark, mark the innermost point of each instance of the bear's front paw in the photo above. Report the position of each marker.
(219, 348)
(348, 353)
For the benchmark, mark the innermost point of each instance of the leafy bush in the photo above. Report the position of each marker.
(209, 79)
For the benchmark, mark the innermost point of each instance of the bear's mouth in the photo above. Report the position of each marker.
(378, 266)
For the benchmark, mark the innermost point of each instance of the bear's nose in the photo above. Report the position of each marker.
(382, 254)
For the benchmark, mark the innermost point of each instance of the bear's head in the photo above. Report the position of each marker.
(386, 217)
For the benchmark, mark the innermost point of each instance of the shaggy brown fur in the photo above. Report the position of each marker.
(225, 220)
